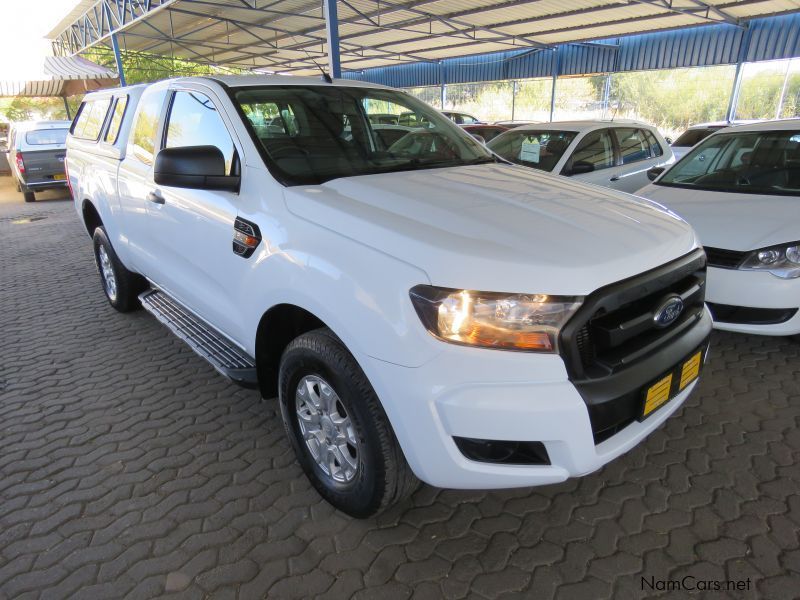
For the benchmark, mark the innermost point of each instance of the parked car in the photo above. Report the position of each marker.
(615, 154)
(514, 123)
(383, 119)
(697, 133)
(36, 151)
(461, 118)
(739, 188)
(486, 132)
(424, 311)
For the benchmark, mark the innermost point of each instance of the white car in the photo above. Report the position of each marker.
(697, 133)
(740, 189)
(422, 310)
(615, 154)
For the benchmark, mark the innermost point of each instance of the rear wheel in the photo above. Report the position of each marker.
(29, 196)
(338, 429)
(121, 286)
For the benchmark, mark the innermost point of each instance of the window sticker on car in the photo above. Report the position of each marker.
(529, 151)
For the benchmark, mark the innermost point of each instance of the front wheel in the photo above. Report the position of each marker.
(338, 429)
(121, 286)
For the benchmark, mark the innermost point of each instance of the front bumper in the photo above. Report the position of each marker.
(497, 395)
(756, 289)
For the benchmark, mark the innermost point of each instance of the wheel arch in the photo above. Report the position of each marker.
(91, 216)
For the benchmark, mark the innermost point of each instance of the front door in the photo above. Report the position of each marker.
(592, 161)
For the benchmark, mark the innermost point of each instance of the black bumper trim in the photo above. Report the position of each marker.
(748, 315)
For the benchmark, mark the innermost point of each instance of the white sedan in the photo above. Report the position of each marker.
(740, 190)
(615, 154)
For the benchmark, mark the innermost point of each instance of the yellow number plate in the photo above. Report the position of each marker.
(59, 176)
(660, 392)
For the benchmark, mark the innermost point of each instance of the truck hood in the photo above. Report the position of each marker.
(732, 221)
(499, 227)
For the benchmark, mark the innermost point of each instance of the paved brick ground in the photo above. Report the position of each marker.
(129, 468)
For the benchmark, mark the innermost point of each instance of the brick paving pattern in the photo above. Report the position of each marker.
(129, 468)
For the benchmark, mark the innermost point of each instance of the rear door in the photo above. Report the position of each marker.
(635, 159)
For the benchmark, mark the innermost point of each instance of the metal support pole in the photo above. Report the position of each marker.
(332, 27)
(118, 59)
(737, 80)
(443, 96)
(553, 91)
(66, 107)
(513, 98)
(783, 89)
(606, 95)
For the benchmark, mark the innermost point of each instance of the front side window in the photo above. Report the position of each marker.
(145, 127)
(46, 137)
(594, 152)
(194, 121)
(312, 134)
(538, 149)
(633, 146)
(755, 162)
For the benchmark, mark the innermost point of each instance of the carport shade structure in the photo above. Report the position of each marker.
(62, 76)
(294, 36)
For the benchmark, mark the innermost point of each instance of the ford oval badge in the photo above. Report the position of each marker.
(668, 312)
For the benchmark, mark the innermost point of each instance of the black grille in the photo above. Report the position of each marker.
(615, 328)
(725, 259)
(746, 315)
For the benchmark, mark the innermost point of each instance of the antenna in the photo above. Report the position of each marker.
(325, 74)
(614, 114)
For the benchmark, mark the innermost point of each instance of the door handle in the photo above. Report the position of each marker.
(614, 178)
(155, 197)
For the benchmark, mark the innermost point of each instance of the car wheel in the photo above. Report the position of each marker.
(29, 196)
(338, 429)
(121, 286)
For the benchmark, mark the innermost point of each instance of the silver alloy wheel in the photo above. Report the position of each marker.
(107, 273)
(326, 428)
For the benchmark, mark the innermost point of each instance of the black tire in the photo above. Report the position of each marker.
(127, 285)
(382, 476)
(29, 196)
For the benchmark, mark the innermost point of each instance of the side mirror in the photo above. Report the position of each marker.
(479, 137)
(654, 172)
(580, 167)
(668, 140)
(194, 167)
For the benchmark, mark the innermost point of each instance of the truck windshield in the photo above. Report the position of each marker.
(312, 134)
(750, 162)
(537, 149)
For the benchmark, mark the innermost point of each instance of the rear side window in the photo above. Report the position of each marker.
(145, 128)
(116, 120)
(90, 119)
(655, 147)
(633, 146)
(46, 137)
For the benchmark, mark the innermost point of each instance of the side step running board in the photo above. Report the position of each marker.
(206, 341)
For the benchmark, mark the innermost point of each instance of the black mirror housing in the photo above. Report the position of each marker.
(654, 172)
(194, 167)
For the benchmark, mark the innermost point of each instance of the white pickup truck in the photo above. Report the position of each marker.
(422, 310)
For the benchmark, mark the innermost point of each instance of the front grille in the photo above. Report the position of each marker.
(615, 328)
(724, 259)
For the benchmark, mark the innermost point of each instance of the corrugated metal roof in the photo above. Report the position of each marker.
(62, 76)
(290, 35)
(771, 38)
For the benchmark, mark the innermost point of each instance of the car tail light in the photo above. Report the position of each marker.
(69, 181)
(20, 162)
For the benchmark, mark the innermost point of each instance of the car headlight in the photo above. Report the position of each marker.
(526, 322)
(782, 261)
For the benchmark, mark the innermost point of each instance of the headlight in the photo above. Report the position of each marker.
(782, 261)
(527, 322)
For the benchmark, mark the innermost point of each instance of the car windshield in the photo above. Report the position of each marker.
(754, 162)
(45, 137)
(538, 149)
(312, 134)
(692, 136)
